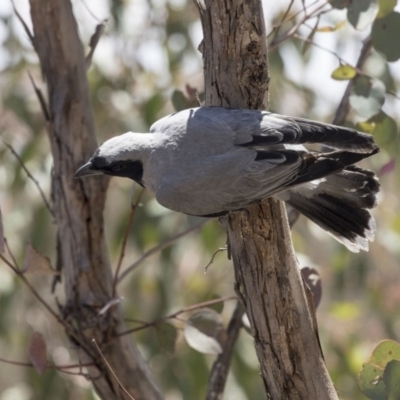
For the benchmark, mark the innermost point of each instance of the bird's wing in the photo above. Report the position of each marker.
(260, 129)
(227, 182)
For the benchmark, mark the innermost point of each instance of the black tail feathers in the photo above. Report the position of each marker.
(339, 204)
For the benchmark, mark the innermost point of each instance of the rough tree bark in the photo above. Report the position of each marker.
(268, 279)
(78, 206)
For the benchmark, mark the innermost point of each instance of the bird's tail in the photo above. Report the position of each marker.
(339, 204)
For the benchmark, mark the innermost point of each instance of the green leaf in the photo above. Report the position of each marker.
(166, 336)
(344, 72)
(385, 34)
(370, 381)
(373, 377)
(205, 332)
(386, 351)
(361, 13)
(152, 107)
(368, 96)
(391, 377)
(339, 4)
(384, 129)
(386, 7)
(181, 102)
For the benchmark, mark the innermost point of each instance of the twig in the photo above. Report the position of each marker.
(220, 368)
(396, 96)
(33, 290)
(111, 370)
(282, 38)
(17, 270)
(159, 248)
(114, 301)
(344, 106)
(94, 40)
(213, 256)
(340, 59)
(282, 21)
(30, 176)
(10, 253)
(42, 101)
(25, 26)
(177, 313)
(49, 365)
(134, 207)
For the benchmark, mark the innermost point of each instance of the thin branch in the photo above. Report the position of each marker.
(94, 40)
(69, 330)
(159, 248)
(221, 249)
(177, 313)
(25, 26)
(33, 290)
(340, 59)
(111, 370)
(285, 36)
(282, 21)
(220, 369)
(30, 176)
(40, 96)
(396, 96)
(344, 106)
(134, 207)
(10, 253)
(49, 365)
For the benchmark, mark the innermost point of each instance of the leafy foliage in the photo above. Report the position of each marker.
(139, 72)
(380, 376)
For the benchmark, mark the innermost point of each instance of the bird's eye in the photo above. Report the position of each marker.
(118, 167)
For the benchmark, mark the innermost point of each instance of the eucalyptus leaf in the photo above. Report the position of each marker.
(385, 36)
(373, 377)
(391, 377)
(205, 332)
(386, 7)
(385, 130)
(370, 381)
(361, 13)
(368, 96)
(344, 72)
(339, 4)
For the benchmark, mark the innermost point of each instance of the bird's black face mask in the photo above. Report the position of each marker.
(124, 169)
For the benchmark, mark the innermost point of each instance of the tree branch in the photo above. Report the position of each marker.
(344, 106)
(78, 208)
(220, 369)
(268, 279)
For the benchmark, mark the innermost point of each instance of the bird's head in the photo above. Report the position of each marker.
(119, 156)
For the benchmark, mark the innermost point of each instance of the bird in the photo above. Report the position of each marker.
(210, 161)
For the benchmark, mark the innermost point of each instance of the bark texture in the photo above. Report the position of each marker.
(268, 279)
(78, 207)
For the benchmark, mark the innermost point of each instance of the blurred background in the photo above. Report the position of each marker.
(144, 64)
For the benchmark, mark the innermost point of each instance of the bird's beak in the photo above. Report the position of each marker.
(86, 170)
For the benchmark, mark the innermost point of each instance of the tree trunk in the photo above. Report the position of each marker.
(78, 206)
(268, 279)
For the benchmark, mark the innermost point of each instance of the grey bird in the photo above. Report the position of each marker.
(210, 161)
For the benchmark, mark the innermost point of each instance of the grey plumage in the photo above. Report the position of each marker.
(210, 160)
